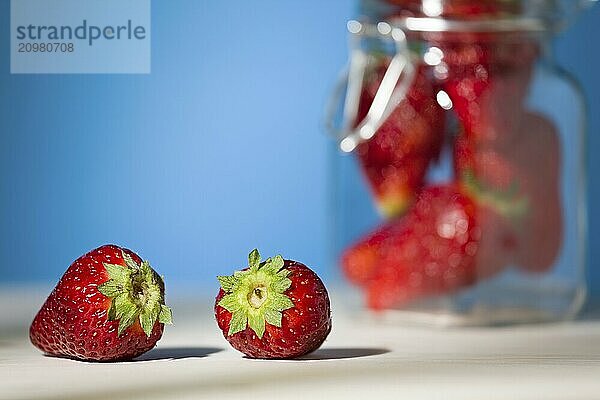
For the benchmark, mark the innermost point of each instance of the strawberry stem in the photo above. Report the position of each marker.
(256, 296)
(137, 294)
(509, 203)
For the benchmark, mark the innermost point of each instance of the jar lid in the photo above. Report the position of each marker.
(474, 15)
(430, 24)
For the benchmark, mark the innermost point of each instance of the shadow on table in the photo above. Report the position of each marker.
(343, 352)
(176, 353)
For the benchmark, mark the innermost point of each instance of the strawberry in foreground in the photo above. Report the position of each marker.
(273, 309)
(108, 306)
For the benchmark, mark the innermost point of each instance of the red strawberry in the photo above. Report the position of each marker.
(445, 243)
(488, 80)
(432, 252)
(360, 261)
(520, 181)
(537, 157)
(489, 175)
(273, 309)
(483, 161)
(492, 181)
(108, 306)
(395, 160)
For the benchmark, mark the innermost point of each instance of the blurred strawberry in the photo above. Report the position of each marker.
(537, 156)
(448, 241)
(493, 182)
(520, 183)
(430, 251)
(395, 160)
(360, 261)
(485, 87)
(488, 82)
(483, 162)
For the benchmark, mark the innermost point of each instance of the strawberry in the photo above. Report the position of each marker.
(432, 250)
(520, 181)
(496, 249)
(360, 261)
(492, 181)
(448, 241)
(108, 306)
(273, 309)
(483, 161)
(487, 80)
(435, 254)
(395, 160)
(537, 157)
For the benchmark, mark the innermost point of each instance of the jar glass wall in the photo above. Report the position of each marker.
(459, 178)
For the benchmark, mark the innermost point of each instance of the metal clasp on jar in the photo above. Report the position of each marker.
(392, 90)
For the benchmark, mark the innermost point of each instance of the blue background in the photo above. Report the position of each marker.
(219, 150)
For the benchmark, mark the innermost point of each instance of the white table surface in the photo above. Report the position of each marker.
(362, 358)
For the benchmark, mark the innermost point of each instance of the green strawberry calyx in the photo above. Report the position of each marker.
(510, 203)
(256, 296)
(137, 294)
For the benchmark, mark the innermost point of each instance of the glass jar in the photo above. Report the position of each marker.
(459, 174)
